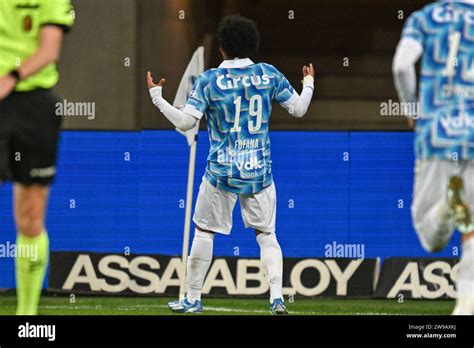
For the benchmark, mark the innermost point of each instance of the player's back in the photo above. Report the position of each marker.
(446, 31)
(238, 115)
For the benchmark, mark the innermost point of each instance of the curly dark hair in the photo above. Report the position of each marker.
(238, 36)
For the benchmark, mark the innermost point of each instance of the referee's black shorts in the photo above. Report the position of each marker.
(29, 134)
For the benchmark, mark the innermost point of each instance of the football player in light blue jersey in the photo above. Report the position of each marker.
(442, 34)
(236, 99)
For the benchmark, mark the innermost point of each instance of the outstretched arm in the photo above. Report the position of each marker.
(179, 119)
(404, 73)
(297, 105)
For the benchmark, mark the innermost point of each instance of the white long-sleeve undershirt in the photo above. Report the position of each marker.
(181, 120)
(297, 106)
(404, 72)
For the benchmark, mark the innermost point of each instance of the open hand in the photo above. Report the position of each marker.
(308, 70)
(151, 84)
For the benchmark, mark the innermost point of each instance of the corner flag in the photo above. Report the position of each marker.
(194, 69)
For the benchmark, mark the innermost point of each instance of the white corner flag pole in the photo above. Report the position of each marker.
(194, 69)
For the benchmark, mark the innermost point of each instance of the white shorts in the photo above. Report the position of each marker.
(431, 183)
(214, 209)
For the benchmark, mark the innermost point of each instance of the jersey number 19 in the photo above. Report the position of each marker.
(255, 110)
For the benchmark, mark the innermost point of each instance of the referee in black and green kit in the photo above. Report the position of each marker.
(31, 34)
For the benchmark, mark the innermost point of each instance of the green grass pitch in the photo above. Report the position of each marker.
(84, 305)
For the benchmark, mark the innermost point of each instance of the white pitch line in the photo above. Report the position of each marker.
(71, 307)
(235, 310)
(213, 309)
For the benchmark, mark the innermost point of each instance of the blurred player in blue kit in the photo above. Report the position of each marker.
(442, 34)
(236, 99)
